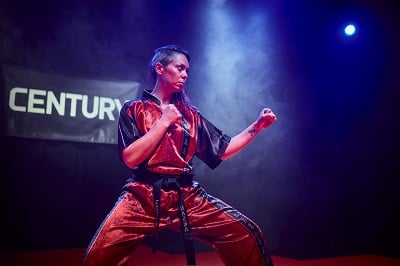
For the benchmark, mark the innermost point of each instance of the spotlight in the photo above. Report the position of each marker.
(350, 29)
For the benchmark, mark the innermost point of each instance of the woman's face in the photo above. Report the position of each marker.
(174, 75)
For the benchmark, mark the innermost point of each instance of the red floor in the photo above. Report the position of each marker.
(143, 256)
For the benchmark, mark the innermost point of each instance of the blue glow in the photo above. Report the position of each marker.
(350, 30)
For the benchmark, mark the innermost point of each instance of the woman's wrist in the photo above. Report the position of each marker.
(255, 128)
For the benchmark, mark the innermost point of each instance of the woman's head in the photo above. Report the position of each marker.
(165, 55)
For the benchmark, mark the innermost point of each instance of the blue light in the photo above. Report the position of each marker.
(350, 30)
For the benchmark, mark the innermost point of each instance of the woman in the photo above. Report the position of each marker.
(158, 136)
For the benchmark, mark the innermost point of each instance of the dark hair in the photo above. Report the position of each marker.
(165, 55)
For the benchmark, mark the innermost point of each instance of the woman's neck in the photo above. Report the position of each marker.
(160, 94)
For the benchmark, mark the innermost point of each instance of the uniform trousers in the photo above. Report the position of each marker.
(237, 240)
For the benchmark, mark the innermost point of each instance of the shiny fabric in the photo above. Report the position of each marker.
(206, 142)
(237, 239)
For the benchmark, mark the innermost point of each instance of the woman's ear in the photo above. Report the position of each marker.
(159, 68)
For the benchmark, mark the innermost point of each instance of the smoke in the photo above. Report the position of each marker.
(238, 65)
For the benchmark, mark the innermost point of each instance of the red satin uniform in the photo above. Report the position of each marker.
(236, 238)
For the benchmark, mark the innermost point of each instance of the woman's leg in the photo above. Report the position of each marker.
(236, 238)
(124, 228)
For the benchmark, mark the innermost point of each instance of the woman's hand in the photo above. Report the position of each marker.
(170, 115)
(266, 118)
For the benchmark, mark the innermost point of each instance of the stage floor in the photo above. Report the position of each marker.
(144, 257)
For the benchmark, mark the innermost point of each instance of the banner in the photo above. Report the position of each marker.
(47, 106)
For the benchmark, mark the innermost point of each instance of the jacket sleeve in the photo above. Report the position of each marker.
(127, 129)
(211, 143)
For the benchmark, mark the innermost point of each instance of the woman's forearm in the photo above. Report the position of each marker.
(240, 141)
(139, 150)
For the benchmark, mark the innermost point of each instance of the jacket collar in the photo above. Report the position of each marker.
(148, 96)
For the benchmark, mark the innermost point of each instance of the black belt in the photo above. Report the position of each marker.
(167, 183)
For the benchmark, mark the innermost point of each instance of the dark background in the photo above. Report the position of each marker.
(322, 181)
